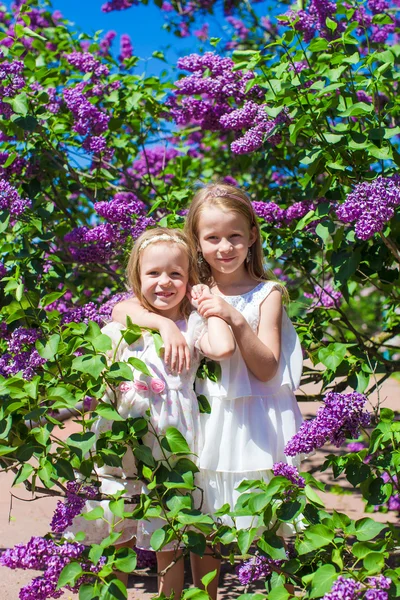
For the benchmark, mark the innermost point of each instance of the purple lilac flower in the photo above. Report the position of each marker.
(256, 567)
(72, 506)
(118, 5)
(355, 446)
(325, 297)
(11, 200)
(21, 338)
(126, 48)
(344, 589)
(3, 270)
(43, 554)
(341, 416)
(270, 212)
(105, 310)
(88, 118)
(96, 144)
(202, 33)
(377, 6)
(394, 502)
(152, 161)
(121, 209)
(239, 27)
(85, 62)
(371, 205)
(82, 314)
(289, 472)
(106, 41)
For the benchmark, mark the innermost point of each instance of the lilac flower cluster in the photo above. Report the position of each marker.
(89, 119)
(355, 446)
(152, 162)
(350, 589)
(273, 214)
(82, 314)
(309, 21)
(325, 297)
(126, 48)
(289, 472)
(205, 98)
(72, 506)
(106, 41)
(11, 200)
(121, 209)
(240, 29)
(118, 5)
(202, 33)
(341, 416)
(11, 82)
(21, 354)
(256, 567)
(85, 62)
(371, 205)
(344, 588)
(45, 555)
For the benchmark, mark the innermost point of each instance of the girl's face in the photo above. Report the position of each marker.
(224, 238)
(164, 276)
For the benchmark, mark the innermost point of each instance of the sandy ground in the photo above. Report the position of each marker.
(20, 517)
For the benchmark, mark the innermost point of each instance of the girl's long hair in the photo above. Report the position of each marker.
(229, 198)
(170, 236)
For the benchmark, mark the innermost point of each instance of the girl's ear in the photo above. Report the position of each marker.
(253, 235)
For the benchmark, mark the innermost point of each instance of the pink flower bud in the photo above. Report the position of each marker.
(141, 386)
(157, 386)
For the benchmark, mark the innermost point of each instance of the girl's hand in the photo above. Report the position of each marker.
(215, 306)
(176, 350)
(198, 291)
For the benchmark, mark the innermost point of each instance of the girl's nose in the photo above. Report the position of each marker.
(164, 279)
(225, 246)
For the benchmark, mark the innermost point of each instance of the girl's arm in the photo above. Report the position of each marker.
(176, 351)
(261, 352)
(218, 343)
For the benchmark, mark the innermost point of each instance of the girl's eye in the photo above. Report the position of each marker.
(152, 273)
(236, 235)
(176, 274)
(211, 237)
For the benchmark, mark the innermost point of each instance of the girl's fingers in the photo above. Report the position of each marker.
(181, 359)
(174, 359)
(187, 358)
(167, 354)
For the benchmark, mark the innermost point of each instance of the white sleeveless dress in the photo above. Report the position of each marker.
(174, 406)
(250, 420)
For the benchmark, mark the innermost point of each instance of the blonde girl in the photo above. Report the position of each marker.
(161, 268)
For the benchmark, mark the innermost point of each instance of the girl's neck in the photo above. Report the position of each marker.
(238, 280)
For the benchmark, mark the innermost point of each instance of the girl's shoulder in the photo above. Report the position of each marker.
(256, 294)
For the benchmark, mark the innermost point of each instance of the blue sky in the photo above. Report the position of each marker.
(143, 23)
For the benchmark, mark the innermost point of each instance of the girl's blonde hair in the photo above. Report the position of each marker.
(161, 235)
(229, 198)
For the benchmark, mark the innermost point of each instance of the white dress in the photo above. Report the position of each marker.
(174, 406)
(250, 420)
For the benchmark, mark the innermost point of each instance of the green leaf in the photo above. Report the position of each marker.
(50, 349)
(367, 529)
(272, 545)
(207, 579)
(93, 515)
(195, 594)
(20, 104)
(64, 469)
(332, 355)
(277, 593)
(139, 365)
(120, 371)
(359, 108)
(108, 412)
(81, 443)
(374, 562)
(204, 405)
(24, 472)
(174, 442)
(86, 592)
(323, 580)
(89, 363)
(125, 560)
(144, 454)
(245, 538)
(313, 496)
(288, 511)
(157, 539)
(69, 574)
(113, 590)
